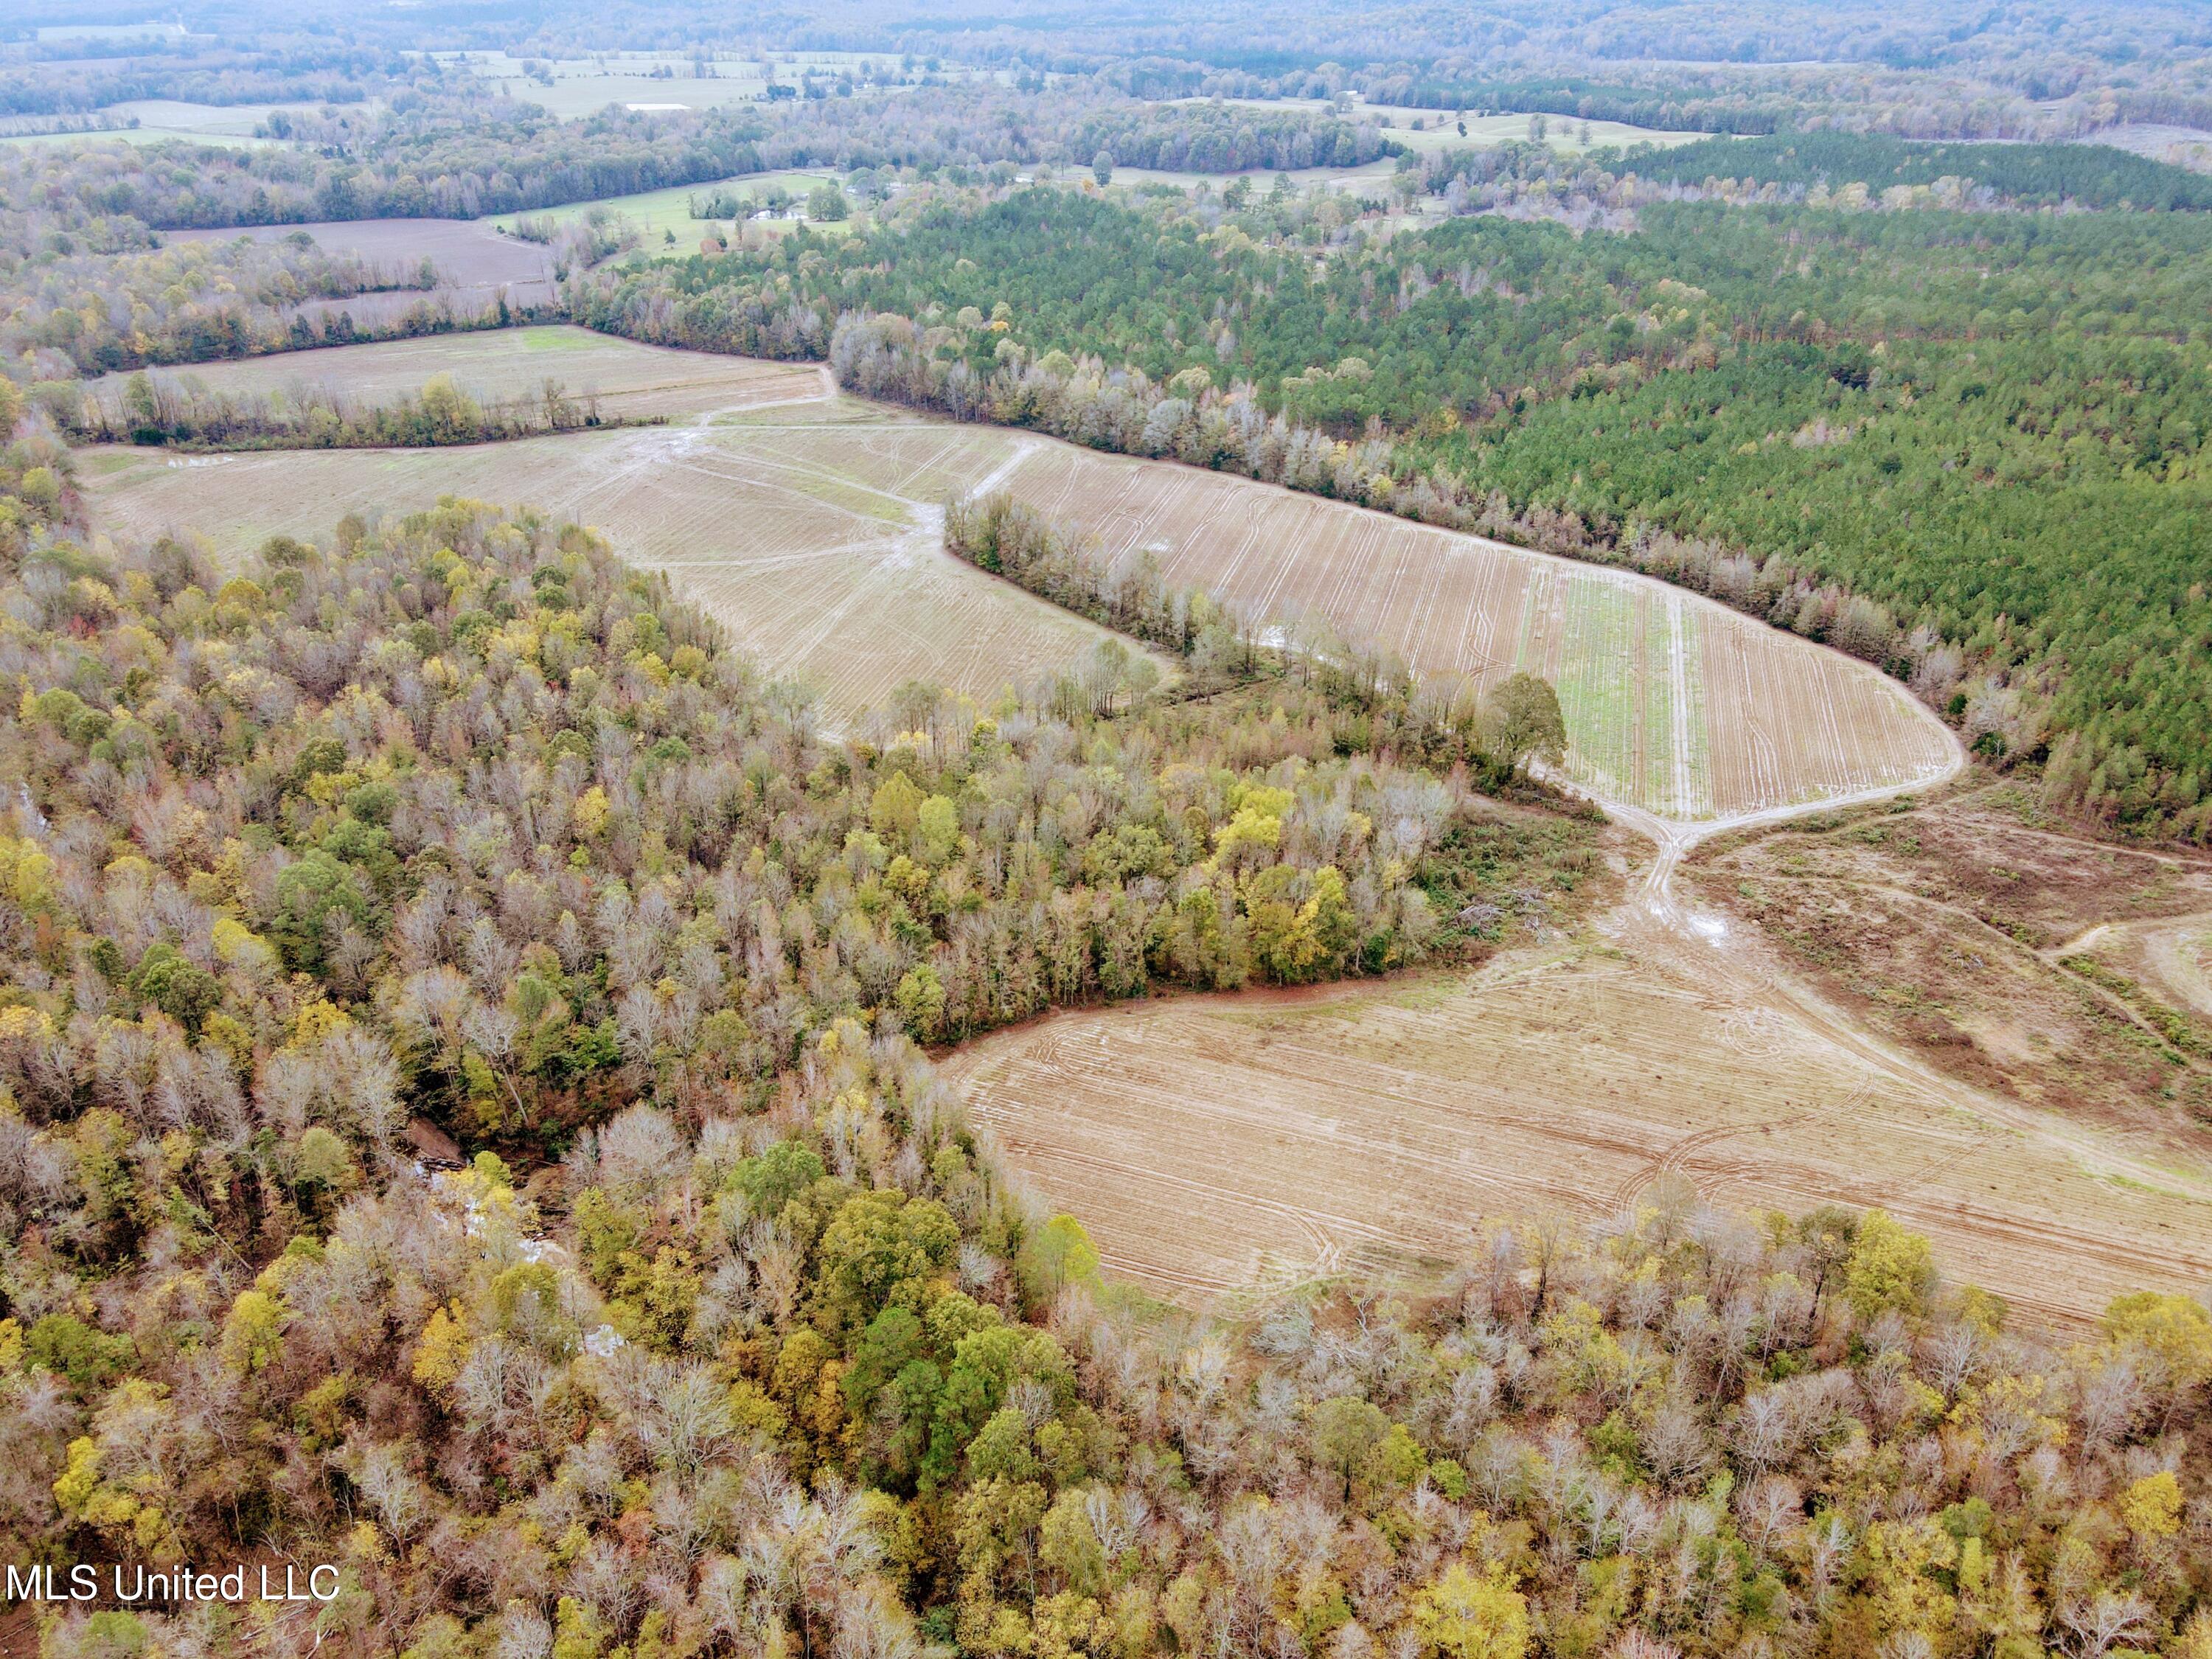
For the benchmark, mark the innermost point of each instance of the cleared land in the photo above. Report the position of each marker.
(1206, 1142)
(1673, 703)
(816, 541)
(2170, 958)
(475, 263)
(2043, 968)
(657, 211)
(161, 119)
(571, 96)
(1213, 1144)
(620, 377)
(1439, 127)
(2185, 147)
(585, 86)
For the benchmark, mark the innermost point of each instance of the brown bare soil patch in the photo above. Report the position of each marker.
(615, 377)
(1213, 1144)
(2009, 956)
(476, 265)
(2171, 957)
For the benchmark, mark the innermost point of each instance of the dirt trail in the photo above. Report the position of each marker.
(1660, 925)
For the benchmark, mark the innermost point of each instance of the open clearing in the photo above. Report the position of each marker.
(818, 542)
(475, 263)
(1960, 932)
(1213, 1144)
(1440, 127)
(663, 80)
(1673, 703)
(658, 212)
(571, 97)
(161, 119)
(623, 378)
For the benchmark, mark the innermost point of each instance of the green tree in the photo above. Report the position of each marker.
(1347, 1431)
(921, 1000)
(1889, 1267)
(1467, 1615)
(880, 1249)
(1062, 1255)
(1070, 1545)
(1521, 722)
(179, 987)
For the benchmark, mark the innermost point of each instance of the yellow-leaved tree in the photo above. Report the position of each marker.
(1464, 1614)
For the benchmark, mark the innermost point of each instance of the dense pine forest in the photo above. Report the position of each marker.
(1987, 424)
(2024, 175)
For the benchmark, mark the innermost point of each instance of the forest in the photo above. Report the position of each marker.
(447, 153)
(729, 1337)
(448, 157)
(1810, 411)
(86, 287)
(2036, 70)
(2021, 175)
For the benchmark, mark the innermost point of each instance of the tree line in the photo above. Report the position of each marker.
(2027, 175)
(443, 153)
(1446, 721)
(86, 290)
(161, 409)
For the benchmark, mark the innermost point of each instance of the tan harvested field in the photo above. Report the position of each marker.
(1213, 1143)
(475, 262)
(1674, 704)
(626, 379)
(819, 545)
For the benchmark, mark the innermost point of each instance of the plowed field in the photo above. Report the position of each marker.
(811, 527)
(1214, 1143)
(831, 570)
(1673, 703)
(1208, 1142)
(475, 263)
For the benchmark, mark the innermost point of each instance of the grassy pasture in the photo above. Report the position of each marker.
(161, 119)
(571, 97)
(656, 211)
(1440, 129)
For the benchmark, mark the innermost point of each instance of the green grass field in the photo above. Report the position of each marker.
(656, 212)
(1439, 127)
(161, 119)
